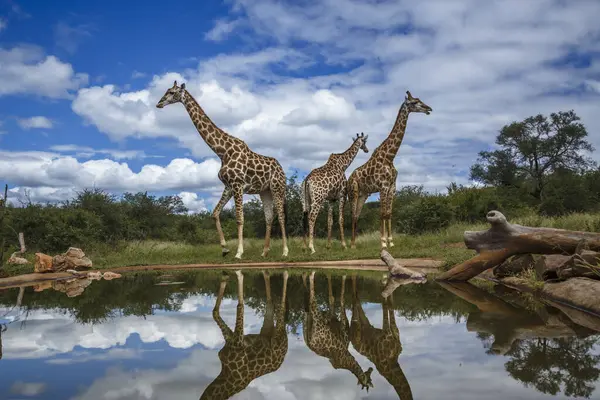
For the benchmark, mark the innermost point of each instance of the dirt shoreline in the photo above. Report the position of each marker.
(417, 264)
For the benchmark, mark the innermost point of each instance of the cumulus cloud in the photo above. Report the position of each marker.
(478, 67)
(27, 70)
(38, 122)
(51, 176)
(193, 202)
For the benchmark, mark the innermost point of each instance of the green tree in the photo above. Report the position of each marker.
(533, 149)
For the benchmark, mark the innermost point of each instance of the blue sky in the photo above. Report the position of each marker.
(79, 81)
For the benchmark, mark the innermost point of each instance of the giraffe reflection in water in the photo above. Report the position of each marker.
(381, 346)
(328, 336)
(247, 357)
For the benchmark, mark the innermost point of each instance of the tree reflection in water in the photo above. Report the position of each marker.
(547, 350)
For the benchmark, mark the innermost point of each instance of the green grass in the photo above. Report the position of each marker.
(432, 245)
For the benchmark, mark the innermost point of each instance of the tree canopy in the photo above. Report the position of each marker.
(533, 149)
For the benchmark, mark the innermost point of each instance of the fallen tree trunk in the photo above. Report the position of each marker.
(582, 265)
(503, 240)
(545, 267)
(514, 265)
(397, 270)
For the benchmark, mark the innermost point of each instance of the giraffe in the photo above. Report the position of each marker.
(247, 357)
(381, 346)
(242, 172)
(328, 183)
(327, 336)
(378, 174)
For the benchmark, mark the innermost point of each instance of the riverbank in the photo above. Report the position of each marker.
(445, 245)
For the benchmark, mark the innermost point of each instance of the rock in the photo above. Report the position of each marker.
(15, 260)
(514, 265)
(63, 262)
(96, 275)
(74, 252)
(43, 263)
(40, 287)
(72, 287)
(111, 275)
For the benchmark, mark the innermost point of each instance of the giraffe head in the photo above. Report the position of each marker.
(416, 105)
(174, 94)
(362, 141)
(365, 379)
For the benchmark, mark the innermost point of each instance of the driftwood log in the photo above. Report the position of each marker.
(506, 321)
(398, 271)
(503, 240)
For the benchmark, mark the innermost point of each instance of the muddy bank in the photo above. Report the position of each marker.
(425, 265)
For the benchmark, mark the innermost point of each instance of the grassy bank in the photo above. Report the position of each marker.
(440, 245)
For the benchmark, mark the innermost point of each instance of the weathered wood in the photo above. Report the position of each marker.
(503, 240)
(397, 270)
(514, 265)
(504, 320)
(393, 283)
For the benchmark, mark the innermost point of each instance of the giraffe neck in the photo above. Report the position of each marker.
(391, 371)
(343, 160)
(348, 362)
(389, 147)
(222, 388)
(214, 136)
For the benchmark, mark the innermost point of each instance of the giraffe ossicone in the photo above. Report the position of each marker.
(378, 174)
(327, 183)
(242, 172)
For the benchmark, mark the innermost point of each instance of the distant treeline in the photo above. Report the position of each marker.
(539, 168)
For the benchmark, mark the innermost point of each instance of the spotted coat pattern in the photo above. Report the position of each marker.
(378, 174)
(381, 346)
(327, 183)
(247, 357)
(328, 336)
(242, 172)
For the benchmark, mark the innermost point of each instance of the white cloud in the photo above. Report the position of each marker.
(37, 122)
(3, 24)
(478, 67)
(50, 176)
(194, 203)
(221, 30)
(26, 70)
(87, 152)
(28, 389)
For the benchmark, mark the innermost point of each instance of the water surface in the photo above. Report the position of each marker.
(209, 335)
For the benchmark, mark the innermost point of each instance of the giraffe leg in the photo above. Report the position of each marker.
(267, 200)
(317, 202)
(359, 202)
(239, 217)
(268, 322)
(239, 315)
(284, 293)
(390, 205)
(383, 215)
(225, 197)
(329, 223)
(225, 330)
(341, 203)
(330, 292)
(279, 198)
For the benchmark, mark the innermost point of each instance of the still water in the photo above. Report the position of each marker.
(274, 335)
